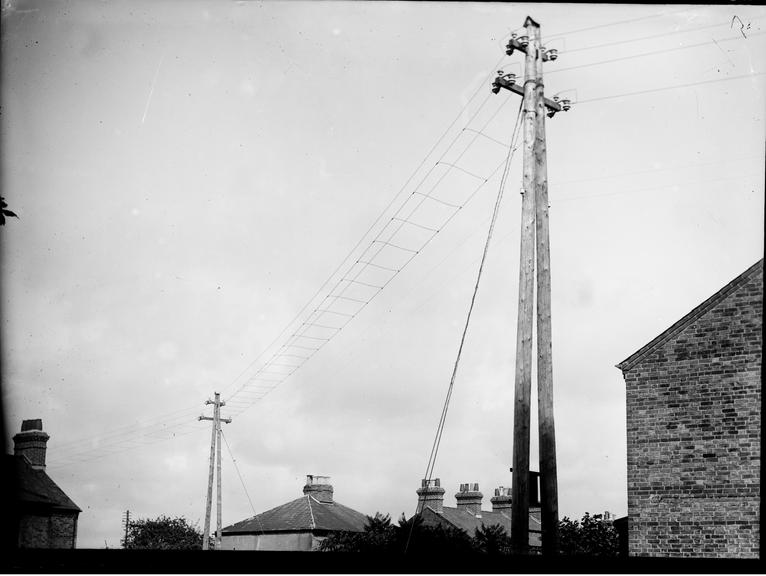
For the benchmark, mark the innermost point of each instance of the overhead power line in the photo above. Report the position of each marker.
(677, 86)
(654, 53)
(167, 425)
(241, 479)
(353, 276)
(642, 38)
(616, 23)
(436, 144)
(445, 408)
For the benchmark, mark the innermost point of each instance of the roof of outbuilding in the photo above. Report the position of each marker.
(36, 487)
(708, 304)
(465, 520)
(302, 514)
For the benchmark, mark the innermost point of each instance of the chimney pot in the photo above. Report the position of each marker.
(502, 499)
(469, 498)
(31, 442)
(430, 494)
(319, 487)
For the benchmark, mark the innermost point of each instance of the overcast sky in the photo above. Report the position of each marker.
(188, 174)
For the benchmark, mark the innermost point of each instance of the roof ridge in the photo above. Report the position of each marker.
(691, 316)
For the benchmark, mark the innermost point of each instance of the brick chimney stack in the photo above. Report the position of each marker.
(319, 487)
(31, 442)
(501, 501)
(469, 498)
(431, 494)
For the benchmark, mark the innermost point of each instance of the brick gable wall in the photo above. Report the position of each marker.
(53, 530)
(694, 426)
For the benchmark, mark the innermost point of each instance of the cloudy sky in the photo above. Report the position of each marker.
(193, 178)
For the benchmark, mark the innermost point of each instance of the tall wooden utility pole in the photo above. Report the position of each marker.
(215, 456)
(523, 381)
(534, 226)
(546, 430)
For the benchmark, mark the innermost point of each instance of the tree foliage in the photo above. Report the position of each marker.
(381, 536)
(492, 540)
(592, 536)
(163, 533)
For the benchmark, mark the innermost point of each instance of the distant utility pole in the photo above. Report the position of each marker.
(126, 520)
(534, 227)
(215, 460)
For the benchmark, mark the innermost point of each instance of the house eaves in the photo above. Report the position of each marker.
(699, 311)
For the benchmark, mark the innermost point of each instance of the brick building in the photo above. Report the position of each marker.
(298, 525)
(42, 515)
(468, 514)
(694, 430)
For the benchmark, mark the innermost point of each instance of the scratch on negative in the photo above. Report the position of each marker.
(151, 90)
(724, 53)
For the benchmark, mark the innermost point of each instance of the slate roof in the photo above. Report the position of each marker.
(302, 514)
(35, 487)
(463, 519)
(707, 305)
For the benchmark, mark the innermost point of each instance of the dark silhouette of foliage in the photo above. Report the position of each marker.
(492, 540)
(592, 536)
(163, 533)
(380, 536)
(5, 212)
(377, 537)
(431, 539)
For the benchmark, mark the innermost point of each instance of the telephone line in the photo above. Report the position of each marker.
(331, 293)
(372, 226)
(655, 52)
(688, 85)
(431, 237)
(642, 38)
(609, 24)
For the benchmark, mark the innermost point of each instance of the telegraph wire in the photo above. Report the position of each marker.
(439, 181)
(162, 425)
(443, 417)
(398, 194)
(448, 282)
(242, 481)
(608, 24)
(511, 150)
(554, 184)
(663, 187)
(128, 429)
(355, 279)
(378, 219)
(688, 85)
(654, 53)
(652, 37)
(133, 430)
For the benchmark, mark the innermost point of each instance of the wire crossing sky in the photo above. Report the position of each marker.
(244, 197)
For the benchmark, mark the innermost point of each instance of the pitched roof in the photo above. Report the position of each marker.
(465, 520)
(36, 487)
(302, 514)
(707, 305)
